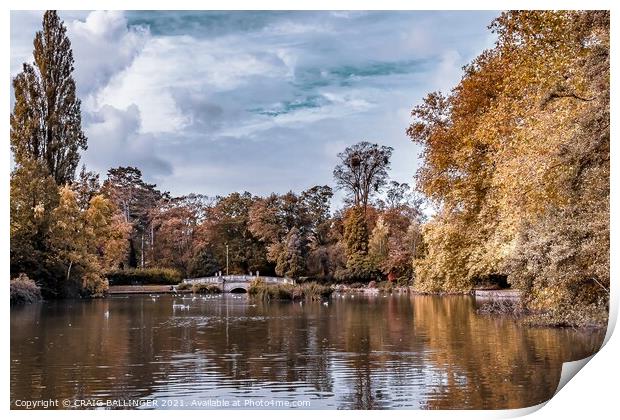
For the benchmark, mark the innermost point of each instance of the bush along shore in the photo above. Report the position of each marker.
(304, 291)
(24, 290)
(205, 288)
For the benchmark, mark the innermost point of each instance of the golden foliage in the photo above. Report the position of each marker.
(521, 145)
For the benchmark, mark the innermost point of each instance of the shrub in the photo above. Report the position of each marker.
(141, 276)
(184, 286)
(309, 291)
(24, 290)
(258, 288)
(385, 286)
(284, 292)
(93, 285)
(315, 291)
(206, 288)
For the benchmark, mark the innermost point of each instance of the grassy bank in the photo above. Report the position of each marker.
(305, 291)
(205, 289)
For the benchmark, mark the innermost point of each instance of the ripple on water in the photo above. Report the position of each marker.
(363, 352)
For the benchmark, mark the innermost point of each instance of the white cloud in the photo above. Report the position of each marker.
(169, 64)
(114, 140)
(103, 45)
(182, 98)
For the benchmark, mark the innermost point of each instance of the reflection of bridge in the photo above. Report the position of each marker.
(237, 284)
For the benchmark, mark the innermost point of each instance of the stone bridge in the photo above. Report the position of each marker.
(237, 284)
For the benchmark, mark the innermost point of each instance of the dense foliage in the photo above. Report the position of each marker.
(516, 159)
(205, 289)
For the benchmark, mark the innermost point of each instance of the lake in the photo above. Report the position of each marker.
(354, 352)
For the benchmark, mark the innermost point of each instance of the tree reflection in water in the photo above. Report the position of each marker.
(359, 352)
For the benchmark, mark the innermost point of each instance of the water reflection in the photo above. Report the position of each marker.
(362, 352)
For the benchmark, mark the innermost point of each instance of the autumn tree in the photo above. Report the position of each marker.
(84, 245)
(272, 218)
(86, 186)
(516, 162)
(362, 171)
(46, 122)
(228, 223)
(107, 232)
(378, 242)
(174, 229)
(34, 195)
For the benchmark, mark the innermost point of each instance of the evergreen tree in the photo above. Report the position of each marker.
(203, 264)
(292, 258)
(358, 266)
(356, 233)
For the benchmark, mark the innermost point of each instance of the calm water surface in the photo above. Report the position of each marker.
(359, 352)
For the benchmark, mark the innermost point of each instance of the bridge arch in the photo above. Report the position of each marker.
(238, 289)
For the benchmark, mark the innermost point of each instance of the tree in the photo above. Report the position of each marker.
(174, 223)
(34, 195)
(203, 264)
(316, 202)
(107, 232)
(355, 232)
(516, 161)
(46, 120)
(228, 223)
(291, 259)
(378, 243)
(272, 217)
(359, 266)
(86, 187)
(397, 194)
(362, 171)
(68, 243)
(136, 199)
(85, 244)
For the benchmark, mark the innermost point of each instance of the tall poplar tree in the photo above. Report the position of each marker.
(46, 123)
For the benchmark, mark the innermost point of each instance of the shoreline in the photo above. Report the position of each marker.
(500, 303)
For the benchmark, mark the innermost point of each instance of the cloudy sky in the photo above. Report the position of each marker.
(214, 102)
